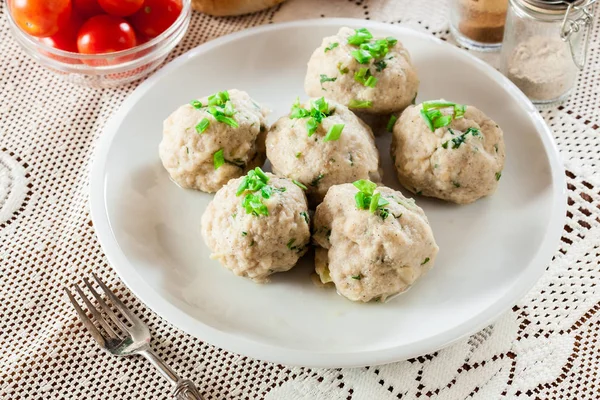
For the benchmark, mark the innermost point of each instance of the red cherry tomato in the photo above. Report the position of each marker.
(105, 34)
(156, 16)
(87, 8)
(65, 40)
(41, 17)
(121, 8)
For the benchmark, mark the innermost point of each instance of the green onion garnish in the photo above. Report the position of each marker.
(343, 69)
(354, 103)
(319, 109)
(425, 261)
(196, 104)
(331, 46)
(325, 78)
(228, 109)
(290, 243)
(380, 65)
(311, 126)
(254, 205)
(202, 126)
(427, 105)
(259, 172)
(391, 123)
(391, 41)
(360, 36)
(305, 215)
(218, 158)
(427, 120)
(458, 140)
(300, 185)
(365, 186)
(442, 121)
(334, 133)
(371, 81)
(298, 155)
(362, 56)
(498, 175)
(357, 277)
(315, 182)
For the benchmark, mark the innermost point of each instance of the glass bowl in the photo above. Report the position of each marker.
(104, 70)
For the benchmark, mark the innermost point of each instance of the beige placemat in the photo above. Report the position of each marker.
(547, 347)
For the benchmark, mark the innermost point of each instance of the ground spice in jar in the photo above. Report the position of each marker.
(482, 20)
(542, 67)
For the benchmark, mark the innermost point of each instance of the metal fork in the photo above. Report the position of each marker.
(126, 340)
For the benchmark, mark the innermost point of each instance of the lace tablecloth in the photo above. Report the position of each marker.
(546, 347)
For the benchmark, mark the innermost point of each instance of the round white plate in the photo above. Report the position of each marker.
(491, 252)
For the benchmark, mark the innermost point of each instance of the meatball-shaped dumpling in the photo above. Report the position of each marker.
(362, 72)
(214, 139)
(375, 243)
(257, 225)
(449, 151)
(320, 144)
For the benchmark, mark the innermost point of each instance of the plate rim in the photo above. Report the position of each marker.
(293, 357)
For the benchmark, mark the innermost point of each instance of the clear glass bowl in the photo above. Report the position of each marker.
(104, 70)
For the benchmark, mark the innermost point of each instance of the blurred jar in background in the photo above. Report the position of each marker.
(545, 45)
(478, 24)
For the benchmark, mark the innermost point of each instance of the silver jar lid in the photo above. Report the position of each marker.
(551, 7)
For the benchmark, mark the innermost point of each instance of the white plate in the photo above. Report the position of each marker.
(491, 252)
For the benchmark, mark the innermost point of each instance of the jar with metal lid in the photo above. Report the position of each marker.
(478, 24)
(544, 46)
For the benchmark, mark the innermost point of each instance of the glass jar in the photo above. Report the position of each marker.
(544, 46)
(478, 24)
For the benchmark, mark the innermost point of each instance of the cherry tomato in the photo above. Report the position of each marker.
(41, 17)
(65, 39)
(156, 16)
(121, 8)
(87, 8)
(105, 34)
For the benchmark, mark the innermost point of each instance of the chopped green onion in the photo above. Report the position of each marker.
(442, 121)
(371, 81)
(224, 96)
(300, 185)
(196, 104)
(425, 261)
(321, 105)
(331, 46)
(361, 75)
(202, 126)
(315, 182)
(384, 213)
(334, 133)
(266, 192)
(359, 198)
(498, 175)
(374, 202)
(228, 109)
(391, 123)
(357, 277)
(305, 215)
(380, 65)
(428, 121)
(221, 117)
(362, 56)
(365, 186)
(259, 172)
(437, 104)
(360, 36)
(244, 233)
(254, 205)
(325, 78)
(298, 155)
(242, 187)
(311, 126)
(218, 158)
(343, 69)
(290, 244)
(377, 49)
(391, 41)
(354, 103)
(459, 110)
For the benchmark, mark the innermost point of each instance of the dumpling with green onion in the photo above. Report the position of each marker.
(322, 143)
(214, 139)
(363, 72)
(257, 225)
(373, 242)
(447, 150)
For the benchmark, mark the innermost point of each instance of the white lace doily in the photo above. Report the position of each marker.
(546, 347)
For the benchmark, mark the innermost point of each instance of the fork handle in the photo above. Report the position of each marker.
(184, 388)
